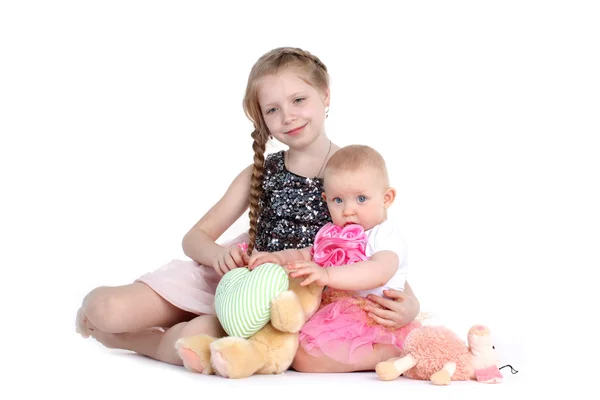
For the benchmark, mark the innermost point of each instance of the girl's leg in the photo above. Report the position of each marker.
(119, 317)
(304, 362)
(161, 345)
(129, 308)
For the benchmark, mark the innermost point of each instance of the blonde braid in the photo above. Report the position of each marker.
(306, 54)
(256, 190)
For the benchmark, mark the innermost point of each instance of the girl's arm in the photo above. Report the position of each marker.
(199, 243)
(287, 256)
(364, 275)
(399, 307)
(282, 257)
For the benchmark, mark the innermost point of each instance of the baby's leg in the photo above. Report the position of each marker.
(304, 362)
(129, 308)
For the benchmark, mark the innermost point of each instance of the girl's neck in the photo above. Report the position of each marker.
(318, 147)
(309, 161)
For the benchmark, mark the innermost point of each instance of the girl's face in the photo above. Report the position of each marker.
(357, 197)
(293, 110)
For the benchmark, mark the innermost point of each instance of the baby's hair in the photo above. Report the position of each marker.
(355, 157)
(273, 62)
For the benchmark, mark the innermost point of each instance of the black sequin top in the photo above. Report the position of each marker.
(291, 208)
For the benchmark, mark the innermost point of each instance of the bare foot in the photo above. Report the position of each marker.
(81, 324)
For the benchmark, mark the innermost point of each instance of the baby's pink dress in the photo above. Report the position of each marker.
(341, 329)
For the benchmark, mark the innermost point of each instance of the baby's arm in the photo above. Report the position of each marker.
(364, 275)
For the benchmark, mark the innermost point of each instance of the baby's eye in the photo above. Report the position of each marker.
(299, 100)
(337, 200)
(361, 199)
(271, 110)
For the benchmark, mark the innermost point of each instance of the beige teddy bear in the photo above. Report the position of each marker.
(269, 351)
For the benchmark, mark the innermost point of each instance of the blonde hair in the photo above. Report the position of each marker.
(354, 158)
(273, 62)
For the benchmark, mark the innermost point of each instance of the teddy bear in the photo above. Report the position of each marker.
(438, 354)
(271, 350)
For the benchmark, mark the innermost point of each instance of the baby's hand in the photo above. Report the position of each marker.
(313, 272)
(230, 258)
(262, 257)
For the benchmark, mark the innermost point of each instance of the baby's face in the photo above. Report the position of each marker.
(357, 197)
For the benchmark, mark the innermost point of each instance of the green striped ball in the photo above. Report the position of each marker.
(243, 298)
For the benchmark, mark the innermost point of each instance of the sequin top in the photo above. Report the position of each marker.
(291, 208)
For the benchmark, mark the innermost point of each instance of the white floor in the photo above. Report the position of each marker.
(60, 362)
(97, 373)
(110, 115)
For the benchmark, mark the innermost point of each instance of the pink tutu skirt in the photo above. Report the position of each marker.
(186, 284)
(342, 330)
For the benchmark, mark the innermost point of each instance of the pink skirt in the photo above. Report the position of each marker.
(342, 330)
(187, 284)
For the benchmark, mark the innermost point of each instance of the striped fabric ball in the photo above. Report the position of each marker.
(243, 298)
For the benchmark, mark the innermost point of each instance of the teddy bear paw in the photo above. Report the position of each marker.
(194, 351)
(235, 358)
(220, 363)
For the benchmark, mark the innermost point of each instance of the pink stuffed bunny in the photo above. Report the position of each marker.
(436, 353)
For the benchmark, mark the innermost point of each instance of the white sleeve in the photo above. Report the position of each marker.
(390, 237)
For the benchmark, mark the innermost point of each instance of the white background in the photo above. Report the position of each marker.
(121, 124)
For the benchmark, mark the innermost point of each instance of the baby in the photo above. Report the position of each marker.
(360, 253)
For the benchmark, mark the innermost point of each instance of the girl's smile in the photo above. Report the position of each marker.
(297, 131)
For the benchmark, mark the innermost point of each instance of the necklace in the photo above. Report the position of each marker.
(286, 155)
(325, 160)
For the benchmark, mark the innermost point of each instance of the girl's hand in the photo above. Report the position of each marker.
(230, 258)
(313, 272)
(262, 257)
(401, 308)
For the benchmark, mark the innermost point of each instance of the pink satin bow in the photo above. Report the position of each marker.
(334, 245)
